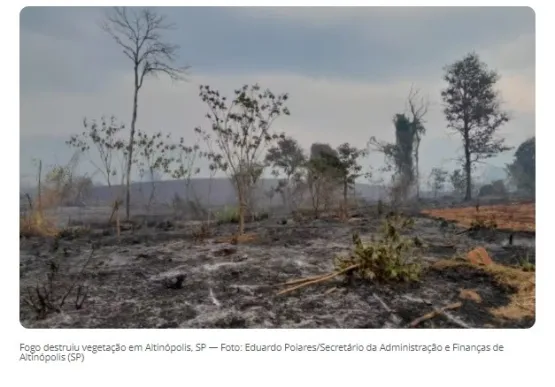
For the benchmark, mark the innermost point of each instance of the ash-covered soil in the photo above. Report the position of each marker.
(158, 275)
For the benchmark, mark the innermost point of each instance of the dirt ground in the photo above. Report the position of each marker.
(158, 275)
(516, 217)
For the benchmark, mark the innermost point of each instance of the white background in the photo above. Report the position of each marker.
(524, 361)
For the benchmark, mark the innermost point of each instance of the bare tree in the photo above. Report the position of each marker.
(139, 34)
(418, 107)
(242, 131)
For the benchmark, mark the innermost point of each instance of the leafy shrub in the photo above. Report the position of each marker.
(387, 259)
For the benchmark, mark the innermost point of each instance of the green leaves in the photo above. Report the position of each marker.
(472, 109)
(241, 131)
(389, 258)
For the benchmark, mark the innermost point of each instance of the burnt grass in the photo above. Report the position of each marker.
(158, 274)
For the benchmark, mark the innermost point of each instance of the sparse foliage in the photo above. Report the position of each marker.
(458, 181)
(288, 158)
(105, 138)
(399, 157)
(184, 167)
(139, 34)
(438, 177)
(472, 109)
(418, 108)
(242, 130)
(154, 158)
(522, 171)
(323, 176)
(350, 169)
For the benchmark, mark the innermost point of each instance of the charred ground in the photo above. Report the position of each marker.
(162, 273)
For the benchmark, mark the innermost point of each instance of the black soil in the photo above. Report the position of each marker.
(158, 274)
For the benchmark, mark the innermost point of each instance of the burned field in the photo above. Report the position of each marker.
(172, 274)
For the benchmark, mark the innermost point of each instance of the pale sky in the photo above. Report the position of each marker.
(347, 71)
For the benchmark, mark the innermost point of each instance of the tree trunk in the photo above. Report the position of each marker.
(467, 165)
(242, 208)
(39, 188)
(345, 192)
(151, 196)
(417, 168)
(131, 145)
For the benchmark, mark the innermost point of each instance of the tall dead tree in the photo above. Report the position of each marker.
(399, 157)
(418, 108)
(139, 34)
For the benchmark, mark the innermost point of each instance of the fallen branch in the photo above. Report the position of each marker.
(434, 313)
(302, 280)
(319, 279)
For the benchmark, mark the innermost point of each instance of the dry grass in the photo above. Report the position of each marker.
(522, 303)
(470, 294)
(35, 224)
(515, 217)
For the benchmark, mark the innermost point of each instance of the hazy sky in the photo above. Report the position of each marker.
(347, 70)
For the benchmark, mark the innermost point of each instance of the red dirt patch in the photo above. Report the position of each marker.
(514, 217)
(479, 256)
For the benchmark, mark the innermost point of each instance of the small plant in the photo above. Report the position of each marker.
(526, 265)
(385, 260)
(45, 298)
(228, 215)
